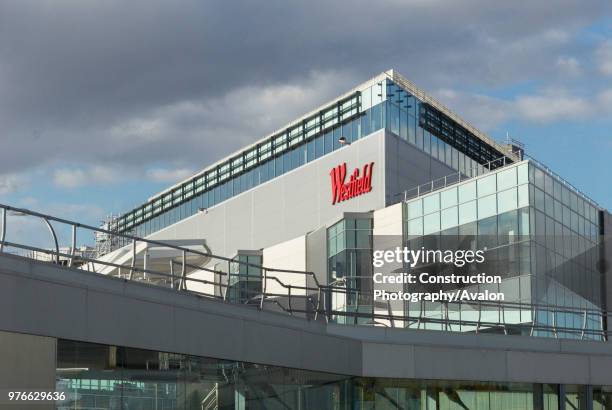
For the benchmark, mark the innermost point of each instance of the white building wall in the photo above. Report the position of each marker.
(290, 255)
(286, 207)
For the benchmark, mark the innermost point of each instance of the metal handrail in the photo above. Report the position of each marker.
(132, 238)
(452, 179)
(562, 180)
(315, 296)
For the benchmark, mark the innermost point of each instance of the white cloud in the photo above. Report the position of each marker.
(76, 177)
(552, 105)
(549, 105)
(10, 183)
(569, 66)
(604, 57)
(169, 175)
(482, 111)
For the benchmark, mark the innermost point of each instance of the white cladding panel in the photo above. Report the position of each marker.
(288, 206)
(290, 255)
(300, 201)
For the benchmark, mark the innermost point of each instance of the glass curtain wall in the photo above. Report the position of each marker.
(544, 251)
(349, 250)
(382, 105)
(244, 280)
(96, 377)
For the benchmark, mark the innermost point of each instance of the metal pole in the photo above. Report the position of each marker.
(3, 232)
(133, 259)
(144, 263)
(290, 307)
(171, 274)
(263, 288)
(73, 246)
(184, 271)
(57, 256)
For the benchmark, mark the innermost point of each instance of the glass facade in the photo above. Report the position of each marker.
(349, 256)
(244, 279)
(543, 246)
(109, 377)
(382, 105)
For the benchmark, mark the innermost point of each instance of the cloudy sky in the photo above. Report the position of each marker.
(104, 103)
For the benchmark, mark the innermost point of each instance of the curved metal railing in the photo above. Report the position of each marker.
(300, 292)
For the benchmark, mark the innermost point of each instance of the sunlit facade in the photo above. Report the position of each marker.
(289, 226)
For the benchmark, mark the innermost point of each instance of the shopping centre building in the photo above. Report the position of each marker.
(269, 256)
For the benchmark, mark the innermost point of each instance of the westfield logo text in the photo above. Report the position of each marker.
(358, 183)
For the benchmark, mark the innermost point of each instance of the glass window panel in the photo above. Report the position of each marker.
(311, 151)
(448, 156)
(523, 195)
(454, 158)
(523, 173)
(487, 206)
(574, 221)
(431, 203)
(449, 218)
(506, 179)
(393, 118)
(411, 130)
(319, 146)
(507, 226)
(336, 137)
(467, 212)
(467, 192)
(487, 231)
(431, 223)
(448, 198)
(366, 98)
(415, 227)
(539, 178)
(507, 200)
(573, 201)
(566, 216)
(365, 124)
(356, 129)
(548, 184)
(376, 117)
(565, 196)
(415, 208)
(434, 146)
(524, 221)
(363, 239)
(404, 125)
(486, 186)
(557, 189)
(347, 131)
(539, 199)
(549, 204)
(363, 224)
(329, 143)
(558, 211)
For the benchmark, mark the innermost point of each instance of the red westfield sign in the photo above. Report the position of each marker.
(357, 184)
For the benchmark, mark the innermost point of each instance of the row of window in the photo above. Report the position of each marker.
(295, 135)
(470, 191)
(382, 106)
(321, 145)
(550, 187)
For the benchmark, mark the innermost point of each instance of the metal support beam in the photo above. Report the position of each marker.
(73, 245)
(3, 232)
(133, 259)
